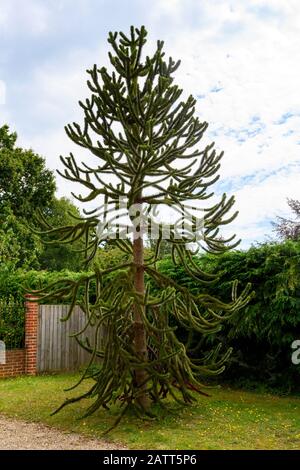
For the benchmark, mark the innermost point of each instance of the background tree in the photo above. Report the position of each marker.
(56, 256)
(9, 249)
(25, 182)
(26, 186)
(288, 229)
(7, 138)
(143, 141)
(24, 246)
(165, 248)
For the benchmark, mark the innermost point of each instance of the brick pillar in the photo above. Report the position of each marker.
(31, 334)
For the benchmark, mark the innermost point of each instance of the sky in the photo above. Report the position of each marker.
(240, 59)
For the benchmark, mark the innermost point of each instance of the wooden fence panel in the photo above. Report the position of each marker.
(57, 350)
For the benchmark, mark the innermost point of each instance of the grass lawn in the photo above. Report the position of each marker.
(229, 419)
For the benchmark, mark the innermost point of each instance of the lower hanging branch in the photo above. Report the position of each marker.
(119, 373)
(168, 370)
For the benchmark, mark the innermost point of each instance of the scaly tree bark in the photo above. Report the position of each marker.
(140, 340)
(144, 143)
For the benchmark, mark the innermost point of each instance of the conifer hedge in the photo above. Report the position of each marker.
(261, 334)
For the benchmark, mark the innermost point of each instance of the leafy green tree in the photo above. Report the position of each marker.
(26, 186)
(144, 140)
(23, 247)
(25, 182)
(57, 256)
(7, 138)
(9, 249)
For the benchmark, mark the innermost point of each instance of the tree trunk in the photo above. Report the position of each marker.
(140, 338)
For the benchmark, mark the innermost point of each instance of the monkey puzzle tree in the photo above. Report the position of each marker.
(141, 140)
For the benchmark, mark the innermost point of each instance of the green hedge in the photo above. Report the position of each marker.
(16, 283)
(12, 296)
(12, 322)
(262, 333)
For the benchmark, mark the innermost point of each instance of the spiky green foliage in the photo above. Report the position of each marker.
(144, 142)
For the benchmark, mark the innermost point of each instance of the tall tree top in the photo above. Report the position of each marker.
(145, 138)
(25, 182)
(7, 138)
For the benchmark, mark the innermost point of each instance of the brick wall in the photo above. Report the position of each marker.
(24, 361)
(31, 333)
(15, 363)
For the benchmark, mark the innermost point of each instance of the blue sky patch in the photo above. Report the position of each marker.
(284, 118)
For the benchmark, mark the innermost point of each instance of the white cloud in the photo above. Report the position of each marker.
(249, 51)
(18, 16)
(252, 56)
(259, 204)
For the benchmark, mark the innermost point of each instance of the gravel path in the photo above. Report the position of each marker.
(19, 435)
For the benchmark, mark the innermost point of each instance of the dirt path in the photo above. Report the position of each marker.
(19, 435)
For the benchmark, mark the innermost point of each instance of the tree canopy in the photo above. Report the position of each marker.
(25, 182)
(28, 186)
(56, 256)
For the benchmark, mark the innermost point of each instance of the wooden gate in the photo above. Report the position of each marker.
(56, 349)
